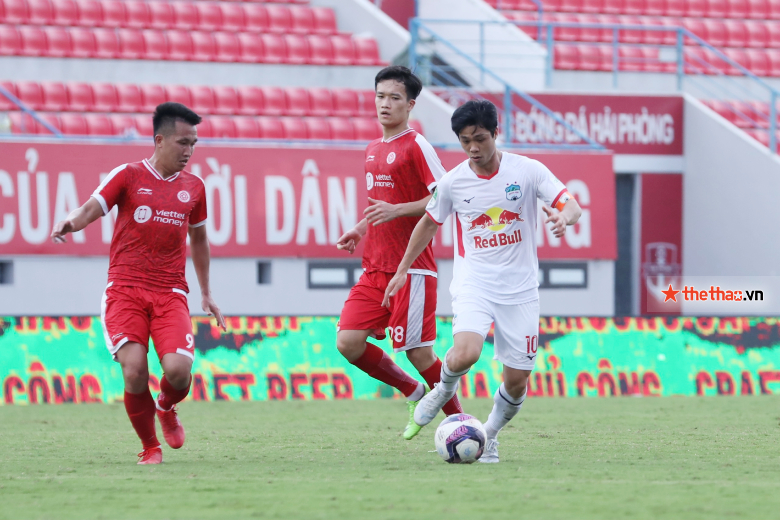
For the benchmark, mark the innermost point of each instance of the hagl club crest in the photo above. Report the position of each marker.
(513, 192)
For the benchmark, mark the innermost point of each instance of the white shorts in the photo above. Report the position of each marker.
(516, 327)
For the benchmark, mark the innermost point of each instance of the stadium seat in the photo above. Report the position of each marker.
(55, 96)
(321, 51)
(204, 129)
(256, 16)
(73, 124)
(566, 34)
(40, 12)
(202, 100)
(226, 47)
(737, 9)
(144, 125)
(758, 9)
(250, 100)
(634, 7)
(185, 15)
(10, 41)
(318, 128)
(128, 98)
(179, 45)
(80, 97)
(225, 100)
(631, 35)
(297, 49)
(566, 56)
(758, 33)
(138, 16)
(209, 16)
(113, 13)
(695, 8)
(736, 34)
(106, 43)
(366, 103)
(321, 101)
(82, 43)
(274, 48)
(590, 6)
(151, 96)
(655, 7)
(246, 127)
(366, 129)
(203, 48)
(15, 12)
(589, 58)
(57, 42)
(613, 7)
(571, 6)
(233, 18)
(716, 8)
(270, 127)
(279, 19)
(631, 59)
(161, 15)
(178, 94)
(5, 103)
(33, 40)
(105, 98)
(65, 12)
(739, 56)
(302, 20)
(773, 56)
(222, 127)
(131, 44)
(773, 34)
(650, 61)
(294, 128)
(30, 93)
(607, 34)
(39, 128)
(274, 101)
(90, 13)
(297, 101)
(251, 48)
(98, 124)
(675, 8)
(155, 44)
(416, 125)
(343, 50)
(345, 102)
(716, 32)
(606, 63)
(341, 129)
(586, 35)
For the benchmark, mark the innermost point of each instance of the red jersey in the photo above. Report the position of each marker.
(149, 247)
(404, 168)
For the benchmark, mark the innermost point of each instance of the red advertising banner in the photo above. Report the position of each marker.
(263, 202)
(625, 124)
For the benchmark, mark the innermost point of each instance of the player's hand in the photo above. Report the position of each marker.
(395, 285)
(380, 212)
(210, 307)
(558, 222)
(62, 228)
(349, 241)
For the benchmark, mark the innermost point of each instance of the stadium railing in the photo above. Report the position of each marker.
(700, 68)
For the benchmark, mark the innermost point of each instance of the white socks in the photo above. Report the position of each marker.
(417, 394)
(504, 408)
(449, 379)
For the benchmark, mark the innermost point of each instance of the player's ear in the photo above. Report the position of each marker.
(412, 102)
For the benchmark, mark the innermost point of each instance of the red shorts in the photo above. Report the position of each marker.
(133, 314)
(411, 316)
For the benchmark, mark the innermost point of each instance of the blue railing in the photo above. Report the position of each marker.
(696, 64)
(27, 110)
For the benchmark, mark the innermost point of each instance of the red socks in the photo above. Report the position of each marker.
(432, 375)
(140, 409)
(169, 396)
(376, 363)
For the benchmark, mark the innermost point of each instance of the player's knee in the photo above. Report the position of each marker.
(421, 357)
(135, 375)
(516, 386)
(350, 347)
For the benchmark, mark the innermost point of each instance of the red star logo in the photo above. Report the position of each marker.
(670, 294)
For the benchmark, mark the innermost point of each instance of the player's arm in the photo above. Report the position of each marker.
(567, 216)
(350, 239)
(77, 220)
(422, 235)
(379, 211)
(201, 259)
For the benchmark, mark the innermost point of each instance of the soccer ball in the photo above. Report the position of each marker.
(460, 439)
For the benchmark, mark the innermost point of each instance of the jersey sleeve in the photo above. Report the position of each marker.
(199, 213)
(111, 190)
(427, 162)
(549, 189)
(440, 206)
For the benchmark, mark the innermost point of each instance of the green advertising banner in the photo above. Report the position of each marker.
(64, 360)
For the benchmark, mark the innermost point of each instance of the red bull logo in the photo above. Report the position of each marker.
(483, 221)
(498, 240)
(507, 217)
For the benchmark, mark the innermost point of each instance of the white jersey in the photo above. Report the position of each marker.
(495, 246)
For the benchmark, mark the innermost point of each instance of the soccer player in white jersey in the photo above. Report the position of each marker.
(494, 198)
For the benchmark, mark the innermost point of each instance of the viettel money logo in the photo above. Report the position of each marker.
(495, 219)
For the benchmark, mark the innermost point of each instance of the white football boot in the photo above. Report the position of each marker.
(490, 455)
(430, 405)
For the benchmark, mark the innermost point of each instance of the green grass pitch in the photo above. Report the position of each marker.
(624, 458)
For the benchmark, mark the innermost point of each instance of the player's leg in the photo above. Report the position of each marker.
(171, 330)
(516, 336)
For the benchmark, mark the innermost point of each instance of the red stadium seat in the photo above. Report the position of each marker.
(324, 20)
(30, 93)
(695, 26)
(82, 43)
(106, 43)
(588, 6)
(321, 102)
(631, 59)
(297, 49)
(251, 48)
(144, 126)
(341, 129)
(758, 63)
(655, 7)
(589, 58)
(51, 119)
(758, 9)
(151, 96)
(57, 42)
(695, 61)
(204, 129)
(250, 100)
(113, 13)
(203, 48)
(318, 128)
(695, 8)
(297, 101)
(571, 6)
(279, 19)
(716, 32)
(16, 12)
(185, 15)
(366, 103)
(675, 8)
(128, 98)
(773, 33)
(99, 124)
(294, 128)
(5, 103)
(256, 16)
(631, 35)
(653, 37)
(161, 15)
(73, 124)
(55, 96)
(757, 33)
(225, 100)
(613, 6)
(586, 35)
(131, 44)
(275, 50)
(773, 56)
(105, 97)
(10, 41)
(343, 50)
(21, 123)
(90, 13)
(155, 44)
(416, 125)
(716, 8)
(270, 127)
(65, 12)
(179, 45)
(739, 56)
(178, 94)
(566, 34)
(222, 127)
(33, 40)
(138, 16)
(274, 101)
(606, 63)
(367, 52)
(209, 16)
(650, 62)
(607, 34)
(40, 12)
(233, 18)
(202, 100)
(246, 127)
(227, 47)
(80, 97)
(366, 129)
(566, 56)
(737, 9)
(302, 20)
(122, 124)
(736, 35)
(320, 49)
(634, 7)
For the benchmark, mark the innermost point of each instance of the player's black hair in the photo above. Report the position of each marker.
(402, 75)
(477, 112)
(166, 115)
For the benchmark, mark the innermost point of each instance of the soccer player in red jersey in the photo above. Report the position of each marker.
(402, 170)
(159, 204)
